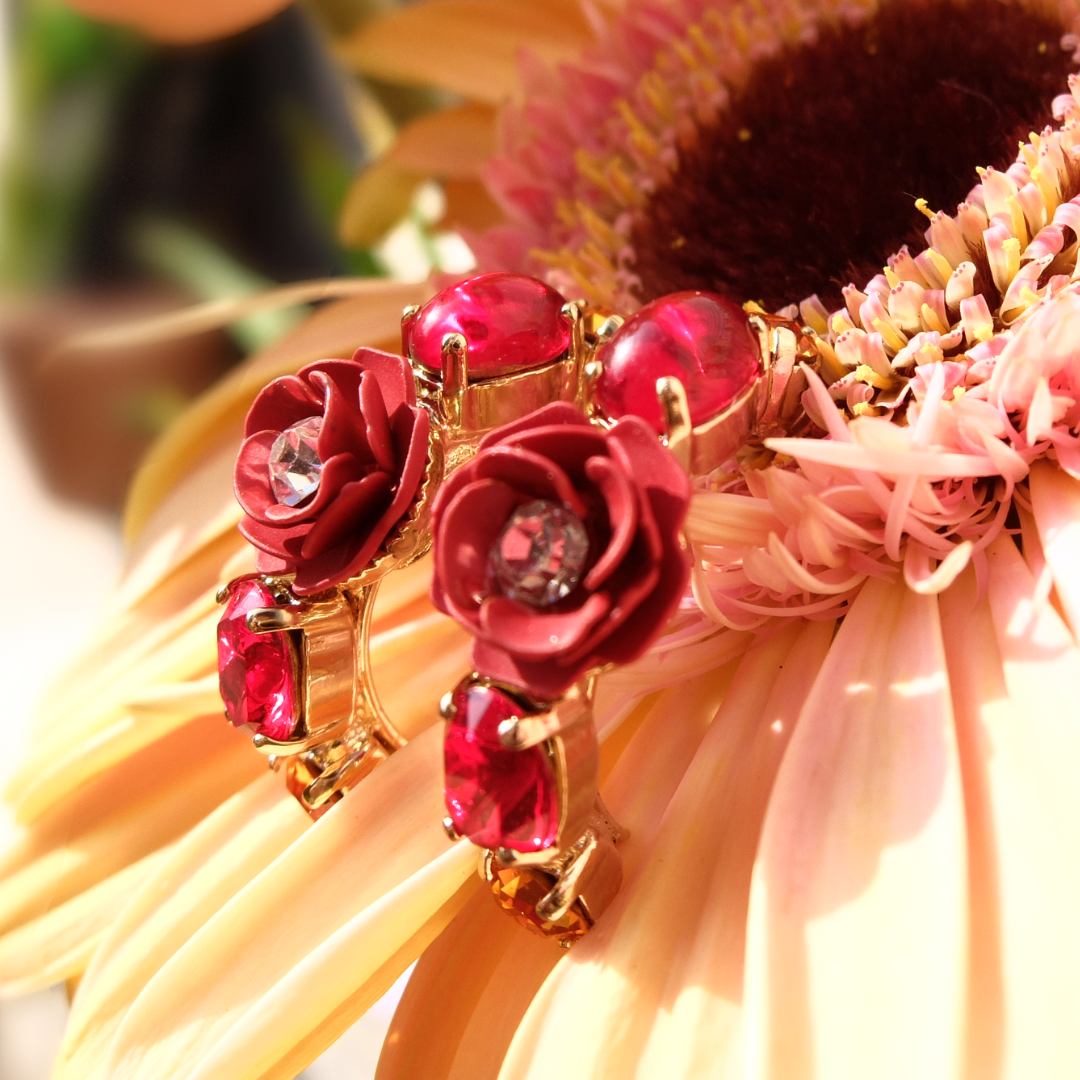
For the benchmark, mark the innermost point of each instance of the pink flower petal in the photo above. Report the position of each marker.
(860, 887)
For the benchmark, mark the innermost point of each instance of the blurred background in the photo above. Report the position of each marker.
(141, 170)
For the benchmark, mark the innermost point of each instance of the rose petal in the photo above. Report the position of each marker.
(537, 634)
(343, 429)
(342, 374)
(654, 465)
(529, 473)
(373, 408)
(567, 447)
(348, 515)
(251, 476)
(469, 528)
(631, 624)
(279, 404)
(543, 679)
(622, 511)
(558, 412)
(312, 579)
(394, 374)
(279, 542)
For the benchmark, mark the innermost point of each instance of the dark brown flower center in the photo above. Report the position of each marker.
(809, 180)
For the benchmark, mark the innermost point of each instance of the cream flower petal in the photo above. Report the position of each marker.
(654, 989)
(59, 944)
(1014, 670)
(207, 867)
(467, 46)
(470, 991)
(146, 802)
(860, 888)
(465, 997)
(337, 905)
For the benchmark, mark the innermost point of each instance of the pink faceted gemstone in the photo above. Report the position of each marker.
(510, 322)
(703, 339)
(497, 797)
(256, 672)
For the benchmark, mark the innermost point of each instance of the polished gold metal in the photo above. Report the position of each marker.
(676, 411)
(520, 733)
(464, 409)
(569, 740)
(791, 349)
(587, 872)
(342, 730)
(772, 405)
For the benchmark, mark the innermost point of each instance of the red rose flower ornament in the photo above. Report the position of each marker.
(331, 462)
(558, 546)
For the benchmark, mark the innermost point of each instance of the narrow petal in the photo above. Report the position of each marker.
(337, 904)
(1055, 499)
(1015, 671)
(59, 945)
(206, 868)
(147, 801)
(470, 991)
(860, 887)
(654, 989)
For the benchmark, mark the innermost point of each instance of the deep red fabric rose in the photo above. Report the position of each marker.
(631, 496)
(373, 447)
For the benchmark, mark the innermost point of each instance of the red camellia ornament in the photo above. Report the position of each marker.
(332, 460)
(703, 339)
(496, 797)
(257, 673)
(558, 547)
(510, 322)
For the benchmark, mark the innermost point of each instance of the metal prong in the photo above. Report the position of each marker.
(455, 375)
(289, 747)
(485, 866)
(448, 827)
(521, 732)
(606, 331)
(269, 620)
(409, 312)
(676, 410)
(564, 892)
(222, 594)
(509, 857)
(446, 705)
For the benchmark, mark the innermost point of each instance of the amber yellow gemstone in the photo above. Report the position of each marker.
(519, 889)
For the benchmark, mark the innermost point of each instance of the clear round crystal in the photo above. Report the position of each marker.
(295, 465)
(540, 553)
